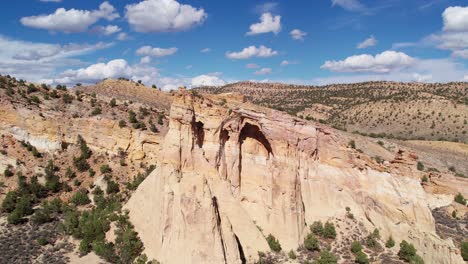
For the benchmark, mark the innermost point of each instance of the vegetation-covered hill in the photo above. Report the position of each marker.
(381, 109)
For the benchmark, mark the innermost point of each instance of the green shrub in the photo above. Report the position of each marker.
(41, 216)
(420, 166)
(15, 218)
(292, 254)
(326, 257)
(105, 169)
(416, 260)
(42, 241)
(81, 164)
(80, 198)
(352, 144)
(8, 173)
(113, 102)
(122, 123)
(356, 247)
(464, 250)
(24, 205)
(407, 251)
(273, 243)
(96, 111)
(376, 233)
(112, 187)
(70, 173)
(311, 242)
(329, 230)
(128, 245)
(9, 203)
(371, 241)
(132, 117)
(133, 185)
(35, 99)
(317, 228)
(424, 179)
(460, 199)
(390, 242)
(361, 258)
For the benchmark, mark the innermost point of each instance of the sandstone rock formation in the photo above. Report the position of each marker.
(231, 173)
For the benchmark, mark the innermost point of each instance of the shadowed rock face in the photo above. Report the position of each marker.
(230, 175)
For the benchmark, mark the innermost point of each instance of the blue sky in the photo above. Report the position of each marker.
(189, 43)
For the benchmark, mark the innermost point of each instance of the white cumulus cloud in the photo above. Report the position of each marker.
(297, 34)
(350, 5)
(455, 18)
(384, 62)
(263, 71)
(72, 20)
(252, 51)
(205, 50)
(369, 42)
(163, 16)
(268, 23)
(107, 30)
(155, 52)
(252, 66)
(207, 80)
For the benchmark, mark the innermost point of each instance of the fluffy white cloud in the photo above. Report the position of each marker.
(107, 30)
(163, 16)
(297, 34)
(33, 60)
(145, 60)
(155, 52)
(268, 23)
(286, 62)
(263, 71)
(252, 51)
(266, 7)
(252, 66)
(430, 70)
(369, 42)
(207, 80)
(455, 18)
(72, 20)
(205, 50)
(350, 5)
(461, 53)
(122, 36)
(386, 61)
(454, 36)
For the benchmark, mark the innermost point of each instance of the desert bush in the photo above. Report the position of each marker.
(420, 166)
(273, 243)
(407, 251)
(317, 228)
(329, 230)
(459, 198)
(356, 247)
(326, 257)
(464, 250)
(292, 254)
(361, 258)
(311, 242)
(390, 242)
(80, 198)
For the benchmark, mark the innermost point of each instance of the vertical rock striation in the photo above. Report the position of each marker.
(229, 175)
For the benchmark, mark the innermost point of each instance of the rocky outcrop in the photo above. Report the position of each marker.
(230, 174)
(50, 130)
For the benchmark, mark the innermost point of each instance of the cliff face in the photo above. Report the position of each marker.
(229, 175)
(50, 130)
